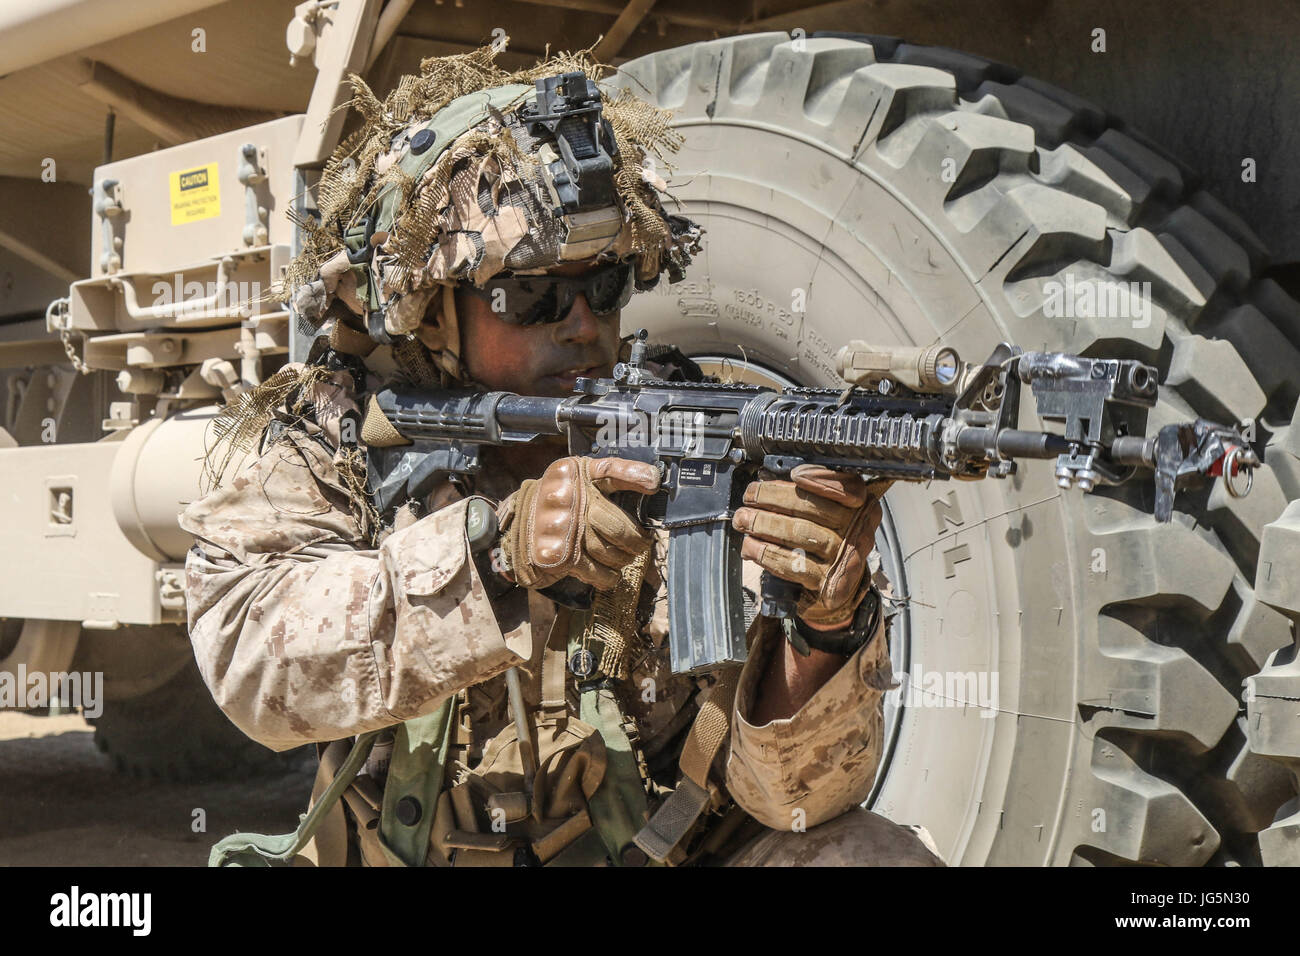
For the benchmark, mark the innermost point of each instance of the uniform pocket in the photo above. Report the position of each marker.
(431, 552)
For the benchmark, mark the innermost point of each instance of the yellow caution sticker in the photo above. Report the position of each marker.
(196, 194)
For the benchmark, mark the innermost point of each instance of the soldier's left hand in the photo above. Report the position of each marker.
(817, 530)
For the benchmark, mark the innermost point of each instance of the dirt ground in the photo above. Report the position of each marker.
(61, 803)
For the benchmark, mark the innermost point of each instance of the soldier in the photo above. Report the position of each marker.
(484, 229)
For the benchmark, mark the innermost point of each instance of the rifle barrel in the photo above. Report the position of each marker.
(525, 413)
(1012, 443)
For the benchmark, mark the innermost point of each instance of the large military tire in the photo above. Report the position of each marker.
(176, 732)
(909, 194)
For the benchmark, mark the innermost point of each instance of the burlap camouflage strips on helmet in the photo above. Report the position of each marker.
(482, 205)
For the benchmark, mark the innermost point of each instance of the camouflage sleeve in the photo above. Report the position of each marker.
(821, 761)
(303, 634)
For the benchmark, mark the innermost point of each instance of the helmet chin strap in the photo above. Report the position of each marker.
(449, 321)
(443, 340)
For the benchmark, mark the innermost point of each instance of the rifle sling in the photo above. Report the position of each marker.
(662, 836)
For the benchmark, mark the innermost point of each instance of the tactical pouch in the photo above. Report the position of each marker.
(586, 799)
(527, 801)
(493, 819)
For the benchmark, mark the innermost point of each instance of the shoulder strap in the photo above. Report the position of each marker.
(554, 707)
(618, 807)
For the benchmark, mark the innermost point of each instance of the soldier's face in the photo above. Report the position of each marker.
(538, 359)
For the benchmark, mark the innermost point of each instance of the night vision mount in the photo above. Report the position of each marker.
(581, 170)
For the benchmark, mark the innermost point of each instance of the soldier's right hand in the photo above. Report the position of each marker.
(562, 525)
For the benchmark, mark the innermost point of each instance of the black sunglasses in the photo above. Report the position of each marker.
(542, 300)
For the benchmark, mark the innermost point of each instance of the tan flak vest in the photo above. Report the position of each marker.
(571, 795)
(552, 789)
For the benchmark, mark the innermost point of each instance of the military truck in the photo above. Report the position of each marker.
(1079, 684)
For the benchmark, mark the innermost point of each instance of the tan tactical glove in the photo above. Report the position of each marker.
(817, 530)
(562, 525)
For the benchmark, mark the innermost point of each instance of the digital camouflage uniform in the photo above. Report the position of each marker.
(312, 621)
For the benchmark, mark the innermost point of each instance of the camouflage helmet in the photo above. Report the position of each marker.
(465, 171)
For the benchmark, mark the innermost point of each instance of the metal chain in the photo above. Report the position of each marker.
(66, 338)
(65, 334)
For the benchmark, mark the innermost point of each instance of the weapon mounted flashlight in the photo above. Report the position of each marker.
(930, 368)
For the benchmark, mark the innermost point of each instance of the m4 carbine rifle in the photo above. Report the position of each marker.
(908, 414)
